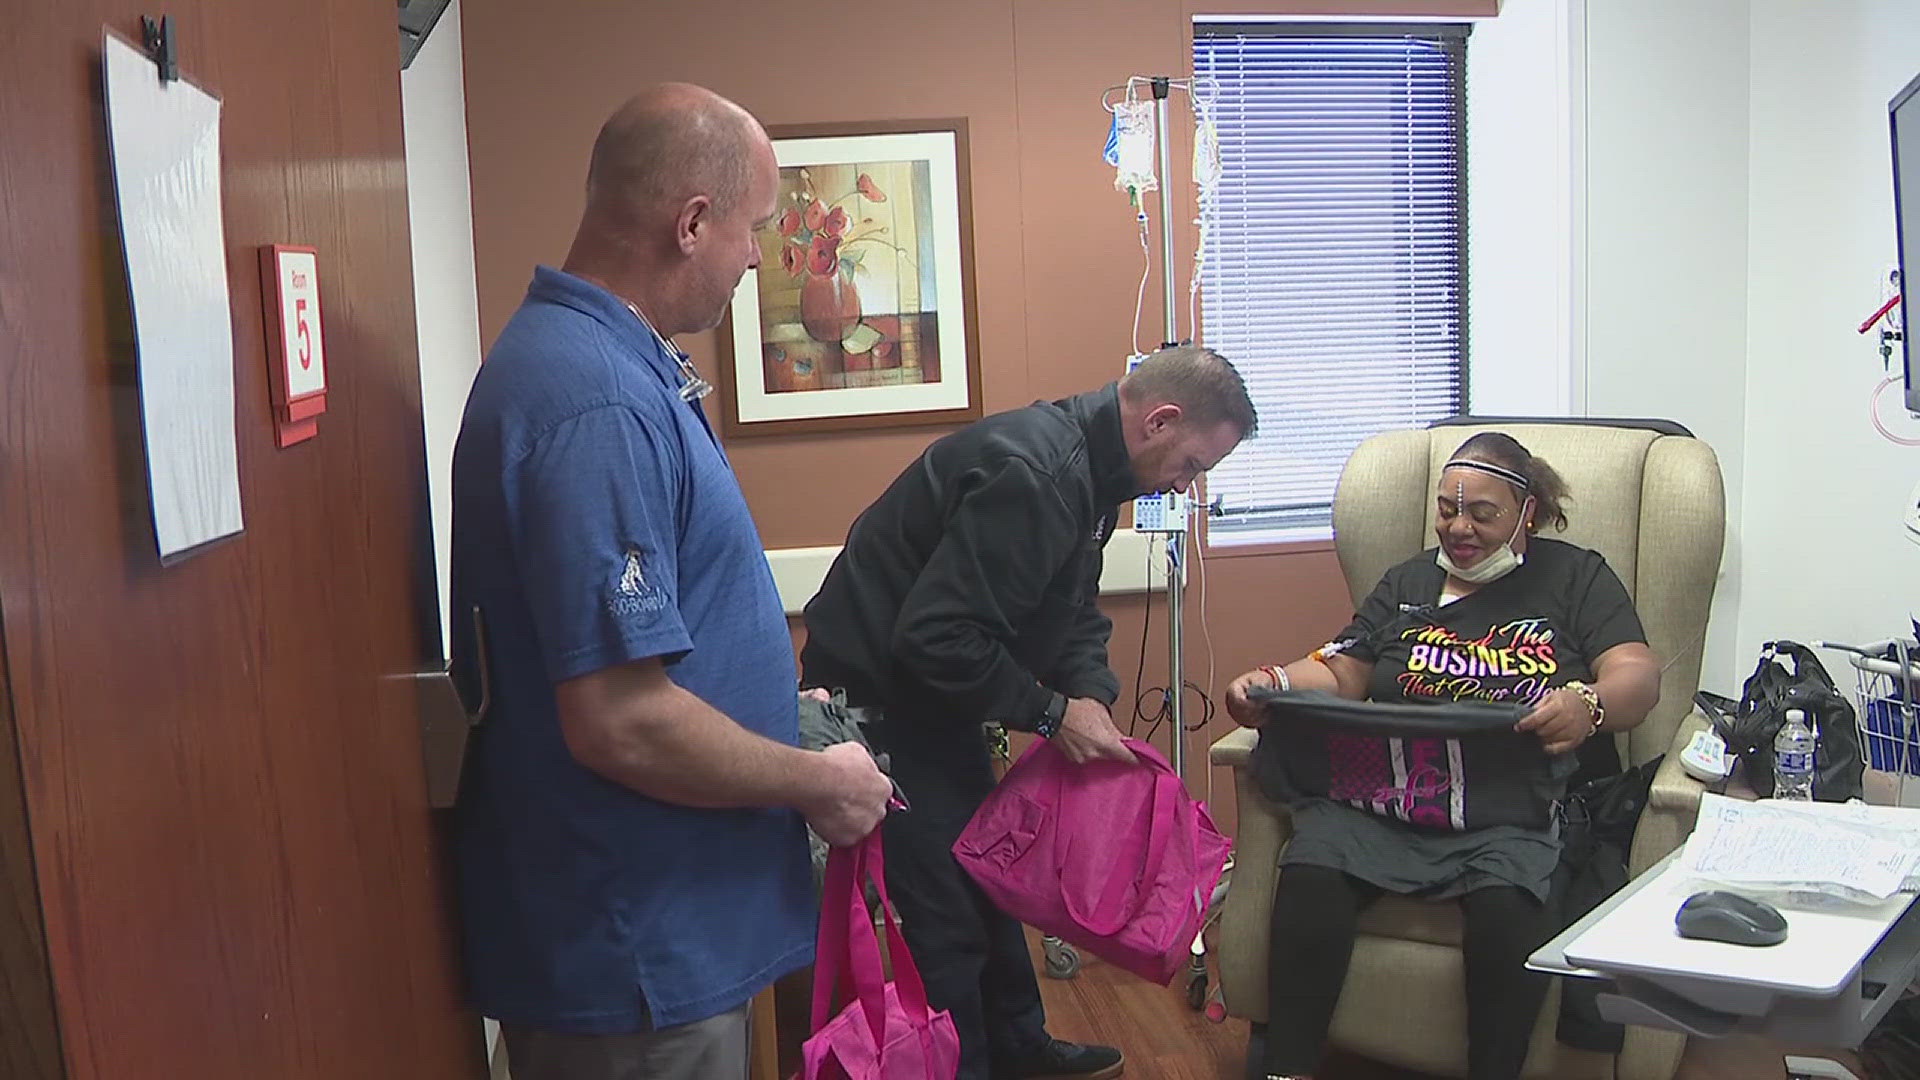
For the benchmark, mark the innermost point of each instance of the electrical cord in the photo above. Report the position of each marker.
(1140, 667)
(1163, 713)
(1199, 547)
(1873, 412)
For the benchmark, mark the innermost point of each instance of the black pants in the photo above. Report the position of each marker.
(1315, 910)
(973, 957)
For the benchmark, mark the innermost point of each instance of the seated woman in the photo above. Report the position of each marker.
(1579, 658)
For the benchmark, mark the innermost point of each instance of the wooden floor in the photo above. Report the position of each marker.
(1164, 1040)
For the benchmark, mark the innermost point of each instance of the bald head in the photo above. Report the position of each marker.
(670, 143)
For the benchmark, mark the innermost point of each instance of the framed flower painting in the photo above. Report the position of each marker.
(861, 312)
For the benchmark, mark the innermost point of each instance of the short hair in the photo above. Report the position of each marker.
(669, 145)
(1206, 386)
(1544, 483)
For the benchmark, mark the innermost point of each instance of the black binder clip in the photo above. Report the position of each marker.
(157, 35)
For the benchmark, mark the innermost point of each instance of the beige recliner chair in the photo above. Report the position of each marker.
(1648, 496)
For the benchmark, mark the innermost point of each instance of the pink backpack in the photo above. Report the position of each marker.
(887, 1032)
(1116, 859)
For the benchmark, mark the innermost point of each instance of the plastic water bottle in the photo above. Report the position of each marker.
(1793, 758)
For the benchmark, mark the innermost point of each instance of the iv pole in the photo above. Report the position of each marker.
(1162, 86)
(1176, 542)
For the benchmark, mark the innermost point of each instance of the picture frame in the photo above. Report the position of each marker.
(861, 314)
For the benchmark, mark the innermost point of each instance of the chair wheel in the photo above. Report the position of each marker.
(1197, 992)
(1063, 960)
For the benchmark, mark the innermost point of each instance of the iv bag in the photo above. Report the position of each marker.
(1206, 156)
(1133, 123)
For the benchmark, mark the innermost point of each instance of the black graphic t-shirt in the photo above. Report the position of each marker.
(1403, 817)
(1513, 641)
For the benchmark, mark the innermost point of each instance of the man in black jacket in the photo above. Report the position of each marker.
(966, 594)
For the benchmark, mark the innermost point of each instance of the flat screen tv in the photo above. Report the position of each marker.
(1903, 117)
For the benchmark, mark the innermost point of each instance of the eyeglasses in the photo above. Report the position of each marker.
(693, 387)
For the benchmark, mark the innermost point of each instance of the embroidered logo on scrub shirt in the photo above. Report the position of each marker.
(634, 593)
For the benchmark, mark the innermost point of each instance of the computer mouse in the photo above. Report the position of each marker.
(1730, 917)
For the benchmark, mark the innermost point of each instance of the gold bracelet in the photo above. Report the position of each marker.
(1591, 697)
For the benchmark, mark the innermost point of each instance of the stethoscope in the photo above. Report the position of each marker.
(694, 387)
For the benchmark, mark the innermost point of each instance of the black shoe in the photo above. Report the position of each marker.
(1060, 1058)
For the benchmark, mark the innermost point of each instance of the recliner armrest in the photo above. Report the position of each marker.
(1672, 788)
(1673, 803)
(1235, 748)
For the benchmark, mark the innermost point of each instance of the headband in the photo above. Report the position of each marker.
(1508, 475)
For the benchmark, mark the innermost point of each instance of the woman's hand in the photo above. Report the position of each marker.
(1562, 721)
(1240, 705)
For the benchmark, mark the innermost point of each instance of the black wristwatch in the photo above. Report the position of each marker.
(1049, 721)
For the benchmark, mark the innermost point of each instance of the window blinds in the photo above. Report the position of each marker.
(1335, 275)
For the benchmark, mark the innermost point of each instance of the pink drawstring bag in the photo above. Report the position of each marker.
(1116, 859)
(887, 1032)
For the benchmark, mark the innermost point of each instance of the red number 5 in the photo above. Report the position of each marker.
(306, 336)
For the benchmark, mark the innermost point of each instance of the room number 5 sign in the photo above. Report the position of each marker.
(296, 354)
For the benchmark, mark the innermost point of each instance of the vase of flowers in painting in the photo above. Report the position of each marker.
(829, 306)
(822, 246)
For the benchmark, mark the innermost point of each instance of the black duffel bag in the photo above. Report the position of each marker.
(1789, 676)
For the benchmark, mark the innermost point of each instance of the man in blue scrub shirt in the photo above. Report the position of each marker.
(632, 823)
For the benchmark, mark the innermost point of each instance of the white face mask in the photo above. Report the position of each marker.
(1499, 562)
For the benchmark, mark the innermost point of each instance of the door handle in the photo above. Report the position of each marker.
(447, 729)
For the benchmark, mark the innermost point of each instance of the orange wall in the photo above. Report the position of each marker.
(1057, 259)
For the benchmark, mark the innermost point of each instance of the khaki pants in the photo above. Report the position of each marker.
(711, 1049)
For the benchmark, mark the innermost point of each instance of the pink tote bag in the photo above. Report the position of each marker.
(886, 1032)
(1117, 859)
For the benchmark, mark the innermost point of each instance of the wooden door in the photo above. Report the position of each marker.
(218, 859)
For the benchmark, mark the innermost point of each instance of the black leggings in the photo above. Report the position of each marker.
(1314, 913)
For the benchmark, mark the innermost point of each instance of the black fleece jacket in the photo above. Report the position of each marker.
(968, 592)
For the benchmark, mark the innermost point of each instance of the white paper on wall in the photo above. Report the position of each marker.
(165, 144)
